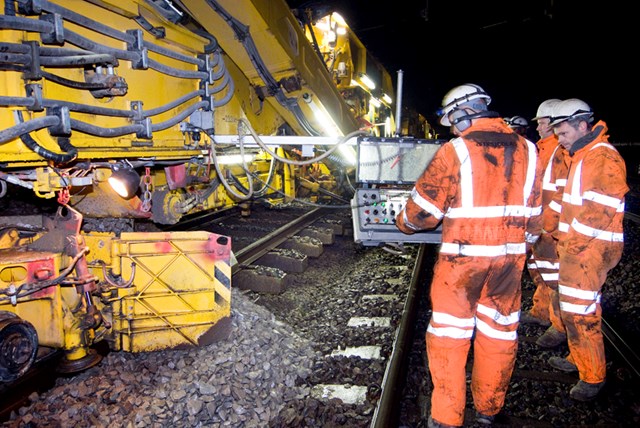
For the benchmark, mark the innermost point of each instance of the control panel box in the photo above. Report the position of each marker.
(374, 214)
(386, 172)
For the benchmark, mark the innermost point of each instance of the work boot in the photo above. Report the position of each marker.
(584, 391)
(435, 424)
(527, 318)
(562, 364)
(484, 419)
(551, 338)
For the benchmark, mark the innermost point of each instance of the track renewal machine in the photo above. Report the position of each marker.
(157, 109)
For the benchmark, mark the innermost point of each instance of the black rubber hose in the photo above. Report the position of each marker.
(25, 24)
(134, 57)
(112, 32)
(105, 132)
(14, 58)
(26, 127)
(180, 117)
(65, 145)
(176, 72)
(16, 101)
(15, 48)
(73, 83)
(227, 97)
(89, 45)
(84, 108)
(85, 22)
(77, 60)
(220, 86)
(46, 51)
(183, 99)
(211, 47)
(58, 158)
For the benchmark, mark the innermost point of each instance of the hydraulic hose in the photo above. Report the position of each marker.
(266, 148)
(224, 100)
(111, 32)
(63, 143)
(183, 99)
(77, 60)
(105, 132)
(244, 36)
(23, 128)
(25, 24)
(72, 83)
(180, 117)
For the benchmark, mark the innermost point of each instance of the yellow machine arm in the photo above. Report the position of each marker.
(140, 92)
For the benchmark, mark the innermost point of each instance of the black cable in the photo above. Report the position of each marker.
(26, 127)
(73, 83)
(58, 158)
(180, 117)
(105, 132)
(78, 60)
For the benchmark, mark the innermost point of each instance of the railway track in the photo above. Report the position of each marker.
(339, 302)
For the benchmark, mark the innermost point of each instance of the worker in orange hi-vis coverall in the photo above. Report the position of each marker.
(482, 187)
(590, 239)
(543, 264)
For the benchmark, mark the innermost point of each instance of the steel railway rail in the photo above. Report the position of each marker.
(538, 395)
(393, 389)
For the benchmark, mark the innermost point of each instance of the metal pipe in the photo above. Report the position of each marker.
(399, 104)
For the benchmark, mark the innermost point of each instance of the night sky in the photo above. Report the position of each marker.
(521, 52)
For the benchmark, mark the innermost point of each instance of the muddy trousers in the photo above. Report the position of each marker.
(480, 310)
(581, 279)
(492, 370)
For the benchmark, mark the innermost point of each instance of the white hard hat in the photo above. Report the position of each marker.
(518, 121)
(570, 109)
(462, 95)
(545, 108)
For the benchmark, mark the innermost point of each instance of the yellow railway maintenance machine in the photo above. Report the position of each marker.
(156, 109)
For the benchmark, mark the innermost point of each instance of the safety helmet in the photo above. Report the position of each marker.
(461, 96)
(570, 109)
(545, 108)
(518, 121)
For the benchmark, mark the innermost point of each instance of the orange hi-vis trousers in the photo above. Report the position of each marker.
(581, 278)
(479, 298)
(543, 267)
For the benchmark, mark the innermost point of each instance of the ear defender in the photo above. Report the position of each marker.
(459, 119)
(463, 125)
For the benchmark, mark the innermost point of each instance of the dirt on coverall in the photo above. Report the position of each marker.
(590, 243)
(483, 188)
(543, 264)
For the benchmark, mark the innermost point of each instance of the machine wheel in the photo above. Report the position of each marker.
(164, 206)
(18, 346)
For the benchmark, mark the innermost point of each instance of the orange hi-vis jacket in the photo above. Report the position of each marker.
(488, 203)
(590, 244)
(483, 187)
(543, 264)
(552, 157)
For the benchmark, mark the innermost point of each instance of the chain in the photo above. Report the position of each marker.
(146, 198)
(63, 194)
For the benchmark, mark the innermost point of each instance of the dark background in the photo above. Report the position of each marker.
(521, 52)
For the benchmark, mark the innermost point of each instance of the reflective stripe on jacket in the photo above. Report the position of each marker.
(552, 158)
(593, 199)
(497, 207)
